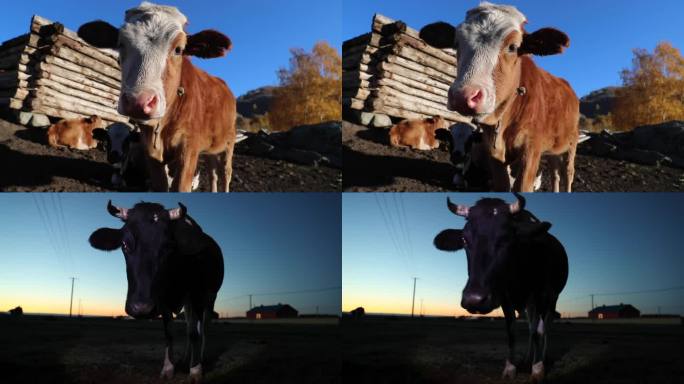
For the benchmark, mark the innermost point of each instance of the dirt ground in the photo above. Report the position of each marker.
(371, 164)
(458, 351)
(108, 351)
(29, 164)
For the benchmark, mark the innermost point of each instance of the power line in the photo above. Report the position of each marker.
(390, 232)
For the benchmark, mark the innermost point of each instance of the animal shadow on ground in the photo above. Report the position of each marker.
(36, 170)
(378, 136)
(364, 170)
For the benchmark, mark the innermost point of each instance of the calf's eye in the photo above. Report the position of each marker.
(512, 48)
(178, 51)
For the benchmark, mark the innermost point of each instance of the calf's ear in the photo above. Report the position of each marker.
(544, 42)
(208, 44)
(449, 240)
(100, 134)
(106, 239)
(439, 35)
(100, 34)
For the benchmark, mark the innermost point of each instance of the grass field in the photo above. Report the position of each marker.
(402, 350)
(62, 350)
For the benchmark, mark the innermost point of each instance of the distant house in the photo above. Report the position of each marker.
(279, 311)
(17, 311)
(358, 312)
(621, 311)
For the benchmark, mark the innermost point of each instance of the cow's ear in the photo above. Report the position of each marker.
(449, 240)
(544, 42)
(439, 35)
(100, 134)
(100, 34)
(208, 44)
(106, 239)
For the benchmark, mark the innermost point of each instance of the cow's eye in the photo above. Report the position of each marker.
(125, 247)
(178, 51)
(512, 48)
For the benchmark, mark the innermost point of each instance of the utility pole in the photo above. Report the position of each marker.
(250, 302)
(71, 303)
(413, 302)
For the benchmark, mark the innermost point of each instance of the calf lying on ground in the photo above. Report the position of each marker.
(74, 133)
(417, 134)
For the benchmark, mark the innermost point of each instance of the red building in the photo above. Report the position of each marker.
(621, 311)
(279, 311)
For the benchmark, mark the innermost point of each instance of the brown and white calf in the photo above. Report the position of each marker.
(183, 110)
(524, 111)
(74, 133)
(417, 133)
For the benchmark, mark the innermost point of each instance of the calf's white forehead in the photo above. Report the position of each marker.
(489, 23)
(146, 38)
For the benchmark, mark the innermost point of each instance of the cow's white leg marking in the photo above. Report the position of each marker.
(540, 327)
(167, 370)
(537, 372)
(196, 373)
(509, 371)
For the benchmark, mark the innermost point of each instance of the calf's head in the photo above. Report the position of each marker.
(118, 138)
(488, 237)
(152, 46)
(147, 239)
(490, 45)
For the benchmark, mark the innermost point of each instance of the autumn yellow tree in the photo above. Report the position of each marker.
(653, 89)
(310, 89)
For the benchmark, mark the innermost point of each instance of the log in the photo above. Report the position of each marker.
(53, 97)
(355, 84)
(386, 26)
(64, 114)
(19, 94)
(19, 75)
(419, 57)
(415, 105)
(399, 87)
(61, 40)
(87, 72)
(355, 75)
(353, 104)
(57, 73)
(389, 70)
(109, 101)
(384, 92)
(58, 82)
(75, 57)
(413, 84)
(38, 22)
(44, 102)
(11, 103)
(430, 72)
(401, 113)
(360, 94)
(356, 41)
(446, 55)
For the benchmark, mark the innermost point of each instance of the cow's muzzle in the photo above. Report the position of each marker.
(141, 310)
(477, 302)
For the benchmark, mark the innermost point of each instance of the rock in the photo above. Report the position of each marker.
(298, 156)
(39, 120)
(642, 156)
(24, 117)
(322, 138)
(381, 121)
(599, 146)
(666, 138)
(366, 118)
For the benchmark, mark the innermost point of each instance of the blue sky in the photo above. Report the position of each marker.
(620, 242)
(271, 243)
(602, 33)
(262, 31)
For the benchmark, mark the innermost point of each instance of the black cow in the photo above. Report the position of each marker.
(513, 262)
(171, 265)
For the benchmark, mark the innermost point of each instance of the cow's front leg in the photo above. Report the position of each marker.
(500, 176)
(159, 181)
(194, 327)
(167, 369)
(528, 174)
(509, 369)
(228, 167)
(186, 170)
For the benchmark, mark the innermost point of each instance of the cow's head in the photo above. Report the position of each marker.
(150, 236)
(491, 231)
(152, 46)
(490, 44)
(117, 139)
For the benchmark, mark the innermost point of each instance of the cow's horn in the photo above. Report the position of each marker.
(457, 209)
(177, 213)
(518, 205)
(121, 213)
